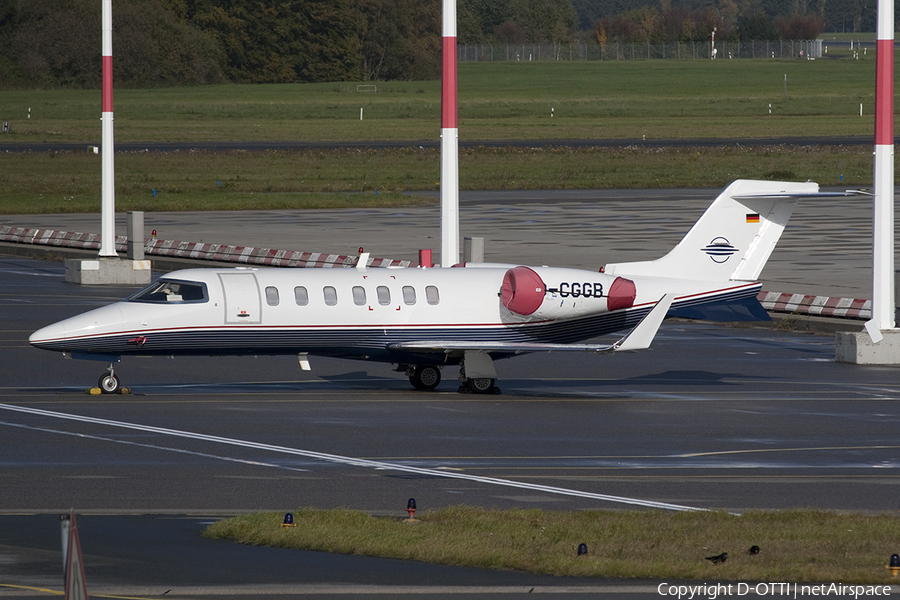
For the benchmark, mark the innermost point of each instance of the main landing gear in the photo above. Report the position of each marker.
(424, 377)
(476, 385)
(427, 378)
(479, 385)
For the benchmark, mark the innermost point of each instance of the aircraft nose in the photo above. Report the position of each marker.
(84, 332)
(47, 336)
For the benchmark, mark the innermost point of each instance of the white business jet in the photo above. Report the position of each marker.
(424, 319)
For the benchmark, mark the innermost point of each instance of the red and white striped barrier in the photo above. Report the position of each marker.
(53, 237)
(269, 257)
(821, 306)
(194, 250)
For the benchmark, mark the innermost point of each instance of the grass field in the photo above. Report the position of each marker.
(497, 101)
(612, 99)
(795, 545)
(69, 182)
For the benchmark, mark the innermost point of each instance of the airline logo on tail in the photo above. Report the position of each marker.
(720, 250)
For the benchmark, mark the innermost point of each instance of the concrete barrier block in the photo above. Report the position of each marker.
(856, 347)
(107, 271)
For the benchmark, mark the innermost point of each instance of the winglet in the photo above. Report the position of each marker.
(643, 333)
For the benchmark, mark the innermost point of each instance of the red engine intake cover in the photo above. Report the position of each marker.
(523, 290)
(621, 294)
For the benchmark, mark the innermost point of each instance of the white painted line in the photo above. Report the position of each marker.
(252, 463)
(346, 460)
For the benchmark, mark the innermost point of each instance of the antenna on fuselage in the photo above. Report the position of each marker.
(362, 259)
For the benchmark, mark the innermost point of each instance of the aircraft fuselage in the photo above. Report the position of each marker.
(361, 313)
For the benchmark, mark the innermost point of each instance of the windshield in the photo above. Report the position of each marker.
(165, 291)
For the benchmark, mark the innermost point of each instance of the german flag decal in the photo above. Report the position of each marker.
(753, 218)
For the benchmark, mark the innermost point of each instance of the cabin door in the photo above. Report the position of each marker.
(242, 303)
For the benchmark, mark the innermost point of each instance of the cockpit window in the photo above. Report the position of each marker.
(167, 291)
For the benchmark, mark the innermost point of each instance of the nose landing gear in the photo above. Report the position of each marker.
(109, 383)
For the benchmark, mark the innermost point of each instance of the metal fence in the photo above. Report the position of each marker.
(800, 49)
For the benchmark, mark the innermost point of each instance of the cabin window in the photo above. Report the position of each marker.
(431, 294)
(301, 296)
(272, 295)
(359, 295)
(168, 291)
(330, 296)
(384, 295)
(409, 294)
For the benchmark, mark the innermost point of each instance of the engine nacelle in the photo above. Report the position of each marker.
(570, 292)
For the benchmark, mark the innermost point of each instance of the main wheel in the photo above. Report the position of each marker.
(425, 377)
(109, 383)
(481, 385)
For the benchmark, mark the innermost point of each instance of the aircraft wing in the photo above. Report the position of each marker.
(638, 338)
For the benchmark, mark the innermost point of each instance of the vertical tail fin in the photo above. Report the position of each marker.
(733, 239)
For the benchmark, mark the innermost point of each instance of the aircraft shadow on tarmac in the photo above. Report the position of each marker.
(626, 386)
(362, 380)
(690, 377)
(365, 381)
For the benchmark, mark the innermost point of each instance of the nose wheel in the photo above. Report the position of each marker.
(109, 383)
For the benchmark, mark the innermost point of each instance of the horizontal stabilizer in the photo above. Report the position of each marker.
(843, 194)
(745, 309)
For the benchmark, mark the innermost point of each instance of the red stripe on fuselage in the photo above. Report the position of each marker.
(258, 327)
(737, 287)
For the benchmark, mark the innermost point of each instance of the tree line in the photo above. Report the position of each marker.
(657, 21)
(48, 43)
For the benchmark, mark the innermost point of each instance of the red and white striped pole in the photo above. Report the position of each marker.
(883, 223)
(449, 140)
(107, 185)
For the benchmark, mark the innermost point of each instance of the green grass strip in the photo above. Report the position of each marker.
(19, 203)
(795, 545)
(659, 99)
(61, 182)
